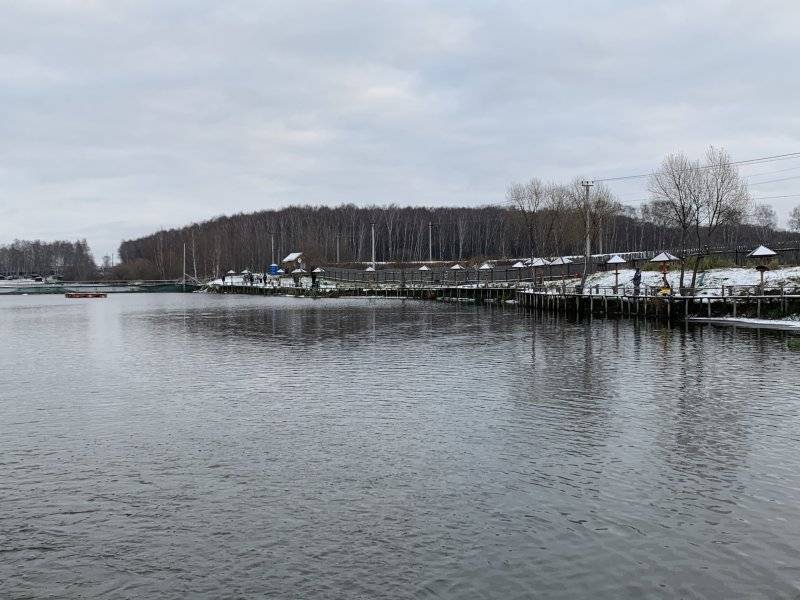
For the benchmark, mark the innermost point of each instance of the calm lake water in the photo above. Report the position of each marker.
(200, 446)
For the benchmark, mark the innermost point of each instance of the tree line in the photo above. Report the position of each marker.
(70, 260)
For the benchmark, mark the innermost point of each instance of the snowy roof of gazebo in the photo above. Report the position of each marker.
(518, 265)
(539, 262)
(231, 272)
(561, 260)
(456, 267)
(762, 251)
(423, 268)
(616, 260)
(280, 271)
(246, 272)
(370, 268)
(318, 270)
(298, 271)
(292, 257)
(485, 267)
(664, 257)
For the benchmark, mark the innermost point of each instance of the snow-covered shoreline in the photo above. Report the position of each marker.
(709, 282)
(787, 323)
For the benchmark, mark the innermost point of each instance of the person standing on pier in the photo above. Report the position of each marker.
(637, 281)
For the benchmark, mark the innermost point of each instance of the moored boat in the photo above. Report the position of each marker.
(85, 295)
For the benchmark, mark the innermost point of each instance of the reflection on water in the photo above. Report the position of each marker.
(211, 446)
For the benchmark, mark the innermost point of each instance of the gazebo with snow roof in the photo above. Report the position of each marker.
(487, 266)
(519, 265)
(763, 254)
(616, 260)
(664, 259)
(561, 261)
(424, 268)
(537, 262)
(457, 267)
(294, 260)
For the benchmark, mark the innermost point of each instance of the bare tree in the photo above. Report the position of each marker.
(675, 189)
(528, 200)
(722, 198)
(763, 216)
(794, 219)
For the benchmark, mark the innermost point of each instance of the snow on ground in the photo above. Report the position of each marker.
(18, 282)
(791, 322)
(710, 281)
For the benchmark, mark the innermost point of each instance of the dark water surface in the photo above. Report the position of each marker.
(193, 446)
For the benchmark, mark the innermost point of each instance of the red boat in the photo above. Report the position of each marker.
(85, 295)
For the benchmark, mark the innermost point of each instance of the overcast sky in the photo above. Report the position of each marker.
(121, 117)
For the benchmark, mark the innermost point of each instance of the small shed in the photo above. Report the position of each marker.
(293, 261)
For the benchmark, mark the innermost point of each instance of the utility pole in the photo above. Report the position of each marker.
(430, 241)
(587, 207)
(533, 269)
(373, 246)
(337, 248)
(183, 277)
(599, 234)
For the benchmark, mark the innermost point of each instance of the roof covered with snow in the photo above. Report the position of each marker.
(292, 257)
(423, 268)
(762, 251)
(456, 267)
(664, 257)
(616, 260)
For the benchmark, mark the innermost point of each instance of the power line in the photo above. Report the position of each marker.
(776, 197)
(775, 180)
(772, 172)
(632, 200)
(764, 159)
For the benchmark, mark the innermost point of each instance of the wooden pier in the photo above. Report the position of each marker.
(670, 307)
(732, 302)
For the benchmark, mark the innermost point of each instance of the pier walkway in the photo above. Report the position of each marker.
(647, 302)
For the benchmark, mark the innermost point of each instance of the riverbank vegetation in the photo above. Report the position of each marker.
(70, 260)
